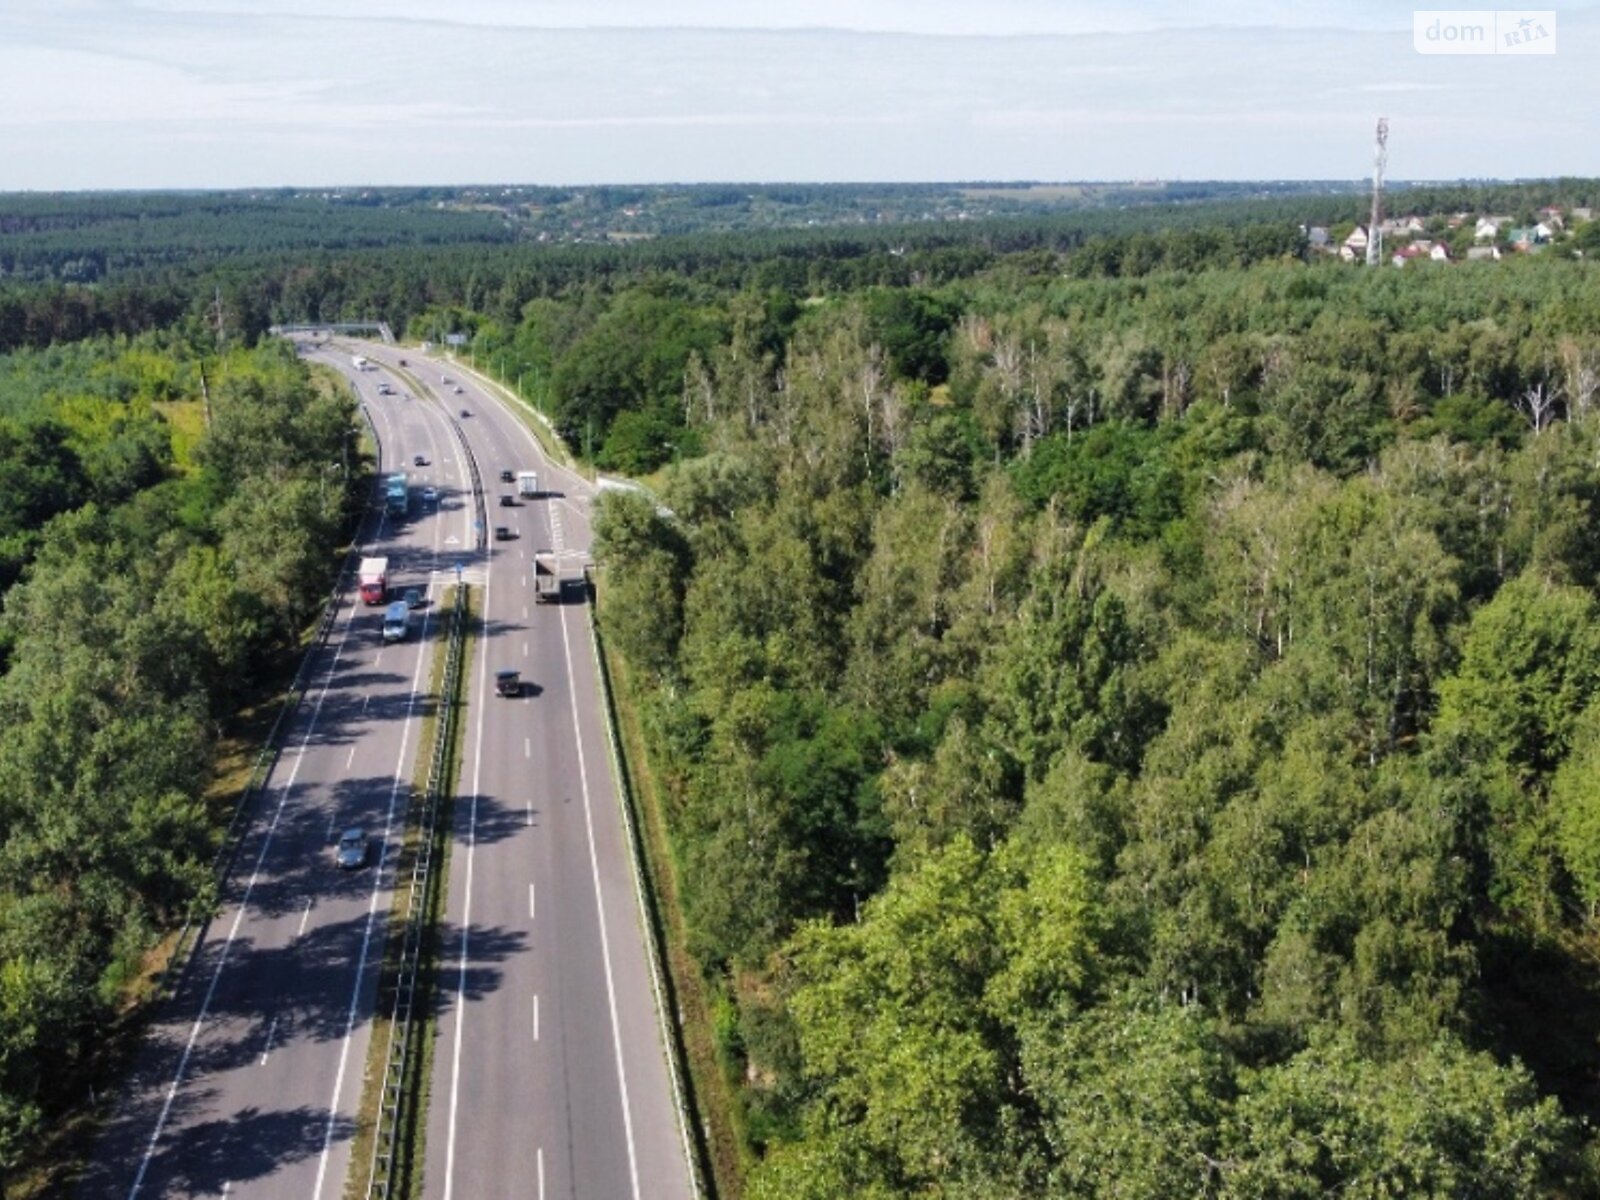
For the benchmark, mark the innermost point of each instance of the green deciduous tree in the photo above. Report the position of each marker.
(1443, 1122)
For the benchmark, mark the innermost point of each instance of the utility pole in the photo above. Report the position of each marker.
(1380, 159)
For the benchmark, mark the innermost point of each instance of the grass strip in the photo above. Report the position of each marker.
(717, 1114)
(406, 1176)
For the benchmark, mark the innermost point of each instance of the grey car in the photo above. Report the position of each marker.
(352, 852)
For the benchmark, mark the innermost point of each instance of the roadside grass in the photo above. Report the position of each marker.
(719, 1133)
(406, 1177)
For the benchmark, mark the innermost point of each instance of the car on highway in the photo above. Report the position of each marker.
(445, 379)
(502, 533)
(508, 683)
(430, 495)
(396, 622)
(508, 501)
(351, 854)
(413, 597)
(508, 476)
(419, 460)
(402, 362)
(466, 412)
(459, 390)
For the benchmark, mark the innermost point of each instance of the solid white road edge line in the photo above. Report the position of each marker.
(238, 916)
(600, 904)
(372, 916)
(377, 890)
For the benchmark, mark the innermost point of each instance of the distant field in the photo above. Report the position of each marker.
(1047, 192)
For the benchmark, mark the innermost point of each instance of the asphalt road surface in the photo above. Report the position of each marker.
(249, 1084)
(550, 1077)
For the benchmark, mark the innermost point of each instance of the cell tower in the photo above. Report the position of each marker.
(1380, 159)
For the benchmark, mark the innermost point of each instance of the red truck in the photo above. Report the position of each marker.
(374, 578)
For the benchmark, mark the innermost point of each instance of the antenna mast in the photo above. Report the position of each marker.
(1380, 159)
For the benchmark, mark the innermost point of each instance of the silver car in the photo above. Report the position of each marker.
(352, 852)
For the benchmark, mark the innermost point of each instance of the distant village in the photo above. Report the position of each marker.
(1462, 237)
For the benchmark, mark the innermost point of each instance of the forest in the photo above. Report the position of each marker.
(164, 540)
(1135, 737)
(1124, 691)
(236, 263)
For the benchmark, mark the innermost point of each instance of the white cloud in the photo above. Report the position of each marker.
(210, 94)
(938, 17)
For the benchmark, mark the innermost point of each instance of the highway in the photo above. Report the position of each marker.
(250, 1083)
(550, 1077)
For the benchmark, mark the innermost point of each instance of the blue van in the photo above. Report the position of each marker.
(396, 622)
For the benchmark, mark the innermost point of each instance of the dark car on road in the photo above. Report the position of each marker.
(502, 533)
(508, 501)
(508, 683)
(419, 460)
(508, 476)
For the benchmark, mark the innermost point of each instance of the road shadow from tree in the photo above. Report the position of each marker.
(495, 820)
(267, 1001)
(487, 948)
(300, 864)
(198, 1159)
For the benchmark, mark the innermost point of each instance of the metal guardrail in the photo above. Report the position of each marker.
(480, 501)
(407, 1013)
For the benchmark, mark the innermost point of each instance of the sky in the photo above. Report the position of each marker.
(229, 93)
